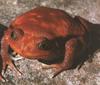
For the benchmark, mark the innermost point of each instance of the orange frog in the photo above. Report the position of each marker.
(52, 37)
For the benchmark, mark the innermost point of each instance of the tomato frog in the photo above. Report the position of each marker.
(52, 37)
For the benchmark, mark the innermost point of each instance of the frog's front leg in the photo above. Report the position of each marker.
(6, 56)
(73, 48)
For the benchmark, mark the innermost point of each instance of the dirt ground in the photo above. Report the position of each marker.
(33, 74)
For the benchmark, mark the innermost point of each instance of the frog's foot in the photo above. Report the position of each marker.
(58, 71)
(58, 68)
(8, 62)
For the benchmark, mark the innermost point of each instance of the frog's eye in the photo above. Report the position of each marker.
(13, 35)
(17, 34)
(44, 45)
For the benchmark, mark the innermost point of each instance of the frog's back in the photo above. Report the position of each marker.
(50, 20)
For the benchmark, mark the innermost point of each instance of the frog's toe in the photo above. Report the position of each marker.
(12, 66)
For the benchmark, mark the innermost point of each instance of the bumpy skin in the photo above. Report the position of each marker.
(52, 37)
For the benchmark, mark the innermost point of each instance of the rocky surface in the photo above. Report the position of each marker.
(33, 74)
